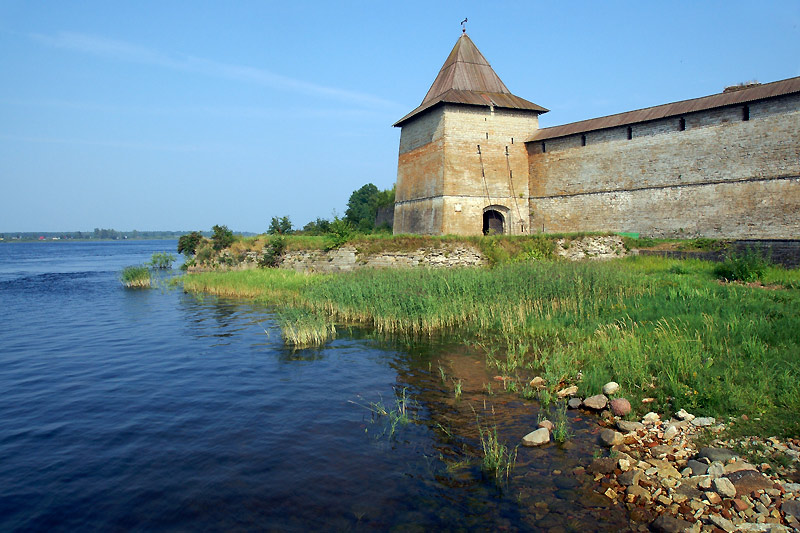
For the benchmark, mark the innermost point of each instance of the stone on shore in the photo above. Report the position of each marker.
(716, 454)
(597, 402)
(620, 406)
(537, 437)
(610, 388)
(724, 487)
(627, 426)
(574, 403)
(704, 421)
(569, 391)
(747, 481)
(537, 382)
(609, 437)
(650, 418)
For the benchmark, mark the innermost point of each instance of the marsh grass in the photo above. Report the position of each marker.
(498, 458)
(661, 328)
(398, 414)
(136, 277)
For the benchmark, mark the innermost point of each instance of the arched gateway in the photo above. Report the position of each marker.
(493, 222)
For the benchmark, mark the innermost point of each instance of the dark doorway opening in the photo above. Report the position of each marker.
(492, 222)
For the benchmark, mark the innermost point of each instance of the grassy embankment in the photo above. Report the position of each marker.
(662, 328)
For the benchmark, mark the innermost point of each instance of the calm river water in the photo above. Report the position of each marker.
(157, 410)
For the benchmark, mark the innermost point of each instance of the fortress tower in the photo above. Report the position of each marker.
(463, 165)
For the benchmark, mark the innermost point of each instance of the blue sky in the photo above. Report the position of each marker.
(174, 115)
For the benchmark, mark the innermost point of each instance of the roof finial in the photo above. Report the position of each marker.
(464, 25)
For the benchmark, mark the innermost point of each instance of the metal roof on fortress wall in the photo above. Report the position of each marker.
(750, 94)
(467, 78)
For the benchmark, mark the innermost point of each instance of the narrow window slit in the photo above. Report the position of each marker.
(583, 140)
(682, 124)
(630, 133)
(746, 113)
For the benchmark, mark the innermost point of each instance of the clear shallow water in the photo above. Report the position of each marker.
(157, 410)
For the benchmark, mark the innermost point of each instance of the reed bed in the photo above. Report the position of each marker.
(662, 328)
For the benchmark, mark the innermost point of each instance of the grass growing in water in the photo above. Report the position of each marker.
(498, 458)
(135, 277)
(671, 332)
(398, 415)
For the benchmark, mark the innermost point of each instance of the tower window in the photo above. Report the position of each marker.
(512, 140)
(682, 124)
(487, 135)
(544, 148)
(746, 112)
(583, 140)
(630, 133)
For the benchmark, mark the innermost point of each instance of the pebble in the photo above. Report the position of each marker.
(670, 433)
(683, 415)
(546, 424)
(538, 382)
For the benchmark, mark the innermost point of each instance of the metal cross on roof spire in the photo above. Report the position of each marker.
(464, 26)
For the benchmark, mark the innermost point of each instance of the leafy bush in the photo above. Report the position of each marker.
(280, 226)
(204, 254)
(320, 226)
(272, 252)
(187, 244)
(341, 232)
(161, 261)
(222, 237)
(135, 277)
(749, 266)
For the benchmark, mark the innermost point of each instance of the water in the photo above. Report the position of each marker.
(157, 410)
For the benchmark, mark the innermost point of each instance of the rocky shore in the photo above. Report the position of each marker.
(668, 484)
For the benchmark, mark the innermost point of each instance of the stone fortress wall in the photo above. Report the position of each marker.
(722, 176)
(722, 166)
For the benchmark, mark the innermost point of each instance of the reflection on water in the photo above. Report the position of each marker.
(160, 410)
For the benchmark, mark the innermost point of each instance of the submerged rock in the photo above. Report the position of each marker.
(669, 524)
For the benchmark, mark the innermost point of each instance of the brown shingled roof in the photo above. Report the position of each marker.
(467, 78)
(750, 94)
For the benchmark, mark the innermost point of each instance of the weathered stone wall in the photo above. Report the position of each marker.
(440, 187)
(721, 177)
(347, 258)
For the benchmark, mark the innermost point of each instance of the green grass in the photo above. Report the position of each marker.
(498, 458)
(135, 277)
(661, 328)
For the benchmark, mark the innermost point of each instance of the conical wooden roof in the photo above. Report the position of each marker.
(467, 78)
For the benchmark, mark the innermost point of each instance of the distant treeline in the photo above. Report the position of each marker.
(98, 234)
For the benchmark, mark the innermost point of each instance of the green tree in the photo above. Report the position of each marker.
(362, 206)
(187, 244)
(222, 237)
(280, 226)
(320, 226)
